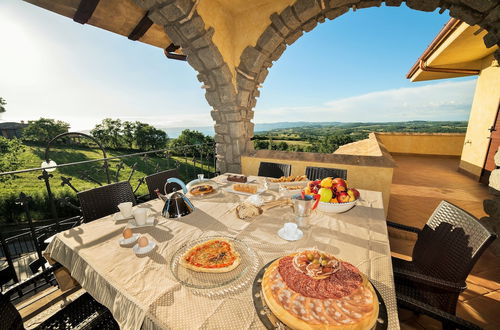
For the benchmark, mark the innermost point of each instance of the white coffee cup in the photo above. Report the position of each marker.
(290, 229)
(125, 209)
(140, 215)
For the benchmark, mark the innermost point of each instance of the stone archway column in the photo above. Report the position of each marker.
(230, 109)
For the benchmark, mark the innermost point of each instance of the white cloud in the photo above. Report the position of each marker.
(441, 101)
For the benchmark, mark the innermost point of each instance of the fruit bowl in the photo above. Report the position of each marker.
(335, 207)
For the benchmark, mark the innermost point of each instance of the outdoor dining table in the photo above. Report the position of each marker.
(142, 292)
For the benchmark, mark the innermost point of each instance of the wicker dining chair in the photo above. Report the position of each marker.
(102, 201)
(274, 170)
(445, 251)
(158, 180)
(83, 313)
(317, 173)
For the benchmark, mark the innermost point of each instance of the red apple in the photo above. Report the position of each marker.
(356, 192)
(340, 188)
(339, 181)
(343, 197)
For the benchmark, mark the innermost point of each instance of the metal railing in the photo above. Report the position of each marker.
(22, 250)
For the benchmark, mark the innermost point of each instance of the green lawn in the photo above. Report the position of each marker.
(29, 183)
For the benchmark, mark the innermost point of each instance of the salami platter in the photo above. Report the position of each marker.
(293, 292)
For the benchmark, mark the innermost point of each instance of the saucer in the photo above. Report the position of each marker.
(149, 222)
(130, 240)
(144, 250)
(298, 235)
(118, 216)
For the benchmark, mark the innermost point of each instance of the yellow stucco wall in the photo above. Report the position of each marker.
(423, 143)
(362, 177)
(238, 24)
(482, 117)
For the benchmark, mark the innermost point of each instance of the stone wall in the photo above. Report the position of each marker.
(233, 100)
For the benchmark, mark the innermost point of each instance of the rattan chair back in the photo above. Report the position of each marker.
(318, 173)
(158, 180)
(9, 316)
(102, 201)
(450, 243)
(274, 170)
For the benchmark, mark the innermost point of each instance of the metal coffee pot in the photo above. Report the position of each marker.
(177, 204)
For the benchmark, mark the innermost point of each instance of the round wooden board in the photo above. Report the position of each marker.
(271, 321)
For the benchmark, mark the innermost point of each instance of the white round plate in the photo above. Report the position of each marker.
(149, 222)
(118, 216)
(144, 250)
(130, 240)
(299, 235)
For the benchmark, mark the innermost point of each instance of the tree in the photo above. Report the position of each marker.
(129, 132)
(3, 103)
(9, 155)
(331, 143)
(149, 138)
(187, 139)
(44, 129)
(108, 132)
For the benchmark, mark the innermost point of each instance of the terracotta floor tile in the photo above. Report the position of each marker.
(482, 310)
(472, 291)
(489, 279)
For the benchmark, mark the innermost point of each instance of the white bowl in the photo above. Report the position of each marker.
(335, 207)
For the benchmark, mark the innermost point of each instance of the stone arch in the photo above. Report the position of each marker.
(233, 100)
(304, 15)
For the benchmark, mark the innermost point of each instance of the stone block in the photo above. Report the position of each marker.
(424, 5)
(174, 35)
(221, 166)
(269, 40)
(309, 25)
(236, 129)
(196, 63)
(469, 16)
(490, 39)
(306, 9)
(233, 116)
(342, 3)
(250, 115)
(244, 83)
(216, 115)
(157, 18)
(243, 96)
(369, 4)
(146, 4)
(226, 93)
(290, 19)
(213, 99)
(177, 10)
(334, 13)
(211, 57)
(279, 25)
(493, 15)
(393, 3)
(222, 129)
(251, 60)
(293, 37)
(193, 28)
(222, 75)
(203, 41)
(234, 168)
(480, 5)
(278, 52)
(218, 138)
(262, 76)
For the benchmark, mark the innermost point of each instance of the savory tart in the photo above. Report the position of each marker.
(204, 189)
(315, 290)
(246, 188)
(213, 256)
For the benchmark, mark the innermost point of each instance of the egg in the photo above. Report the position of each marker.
(142, 241)
(127, 233)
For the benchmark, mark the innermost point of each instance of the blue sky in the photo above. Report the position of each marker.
(349, 69)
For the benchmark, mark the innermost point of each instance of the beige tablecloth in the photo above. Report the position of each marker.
(142, 292)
